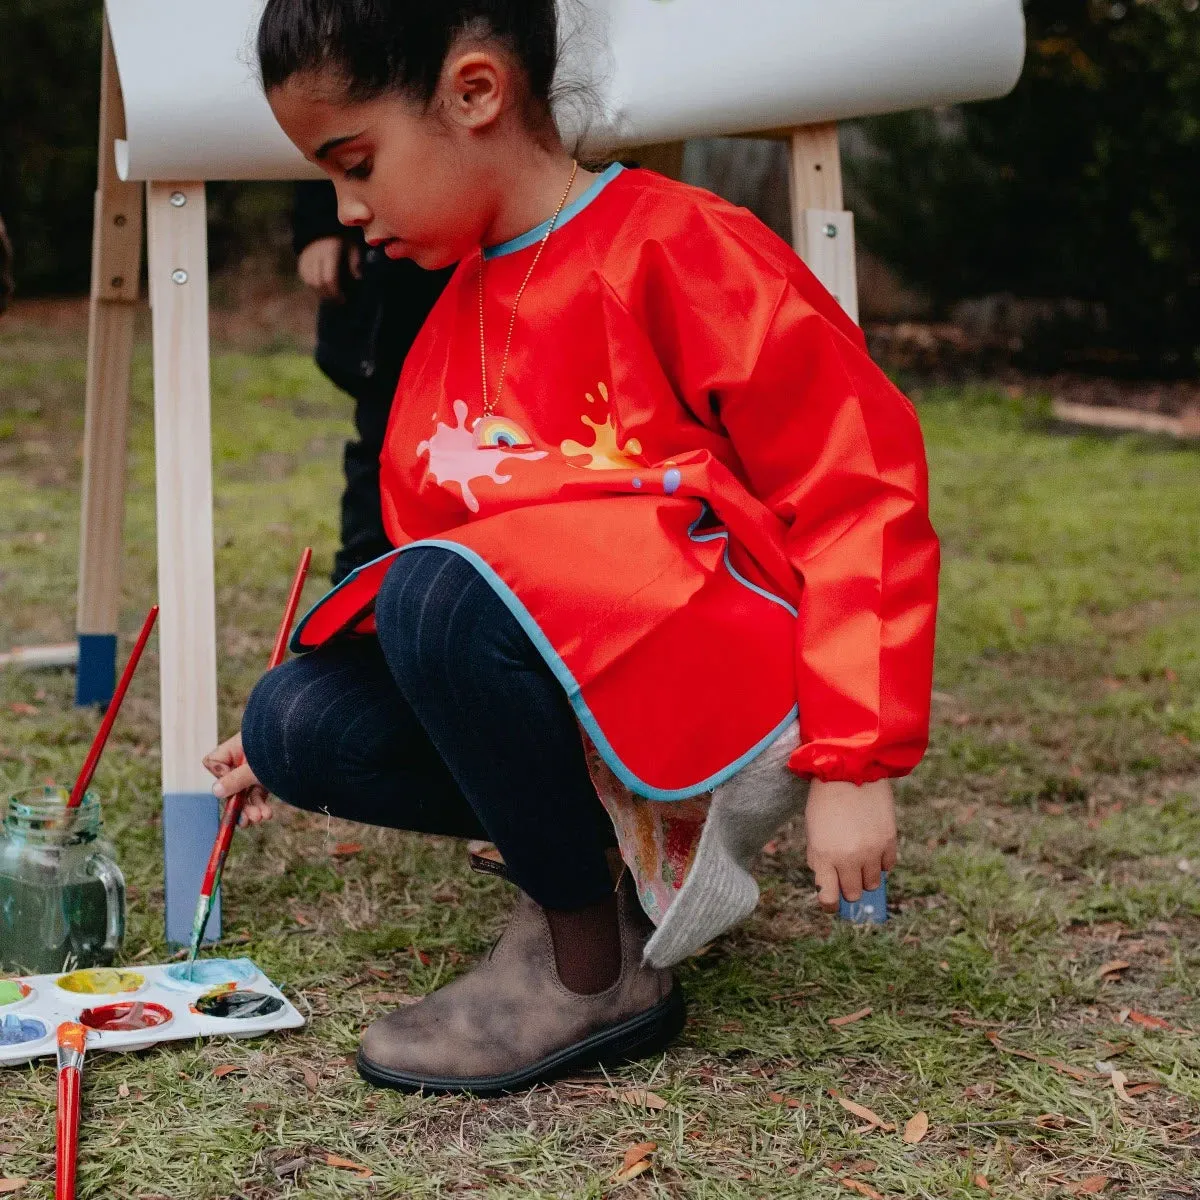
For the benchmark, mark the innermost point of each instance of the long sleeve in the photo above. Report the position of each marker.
(836, 452)
(314, 213)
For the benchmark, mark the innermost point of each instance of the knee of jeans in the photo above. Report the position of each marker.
(413, 608)
(273, 726)
(439, 623)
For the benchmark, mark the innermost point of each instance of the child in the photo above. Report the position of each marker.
(371, 310)
(663, 553)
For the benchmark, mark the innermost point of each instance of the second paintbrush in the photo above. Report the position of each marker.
(235, 804)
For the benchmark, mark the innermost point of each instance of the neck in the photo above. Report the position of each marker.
(528, 187)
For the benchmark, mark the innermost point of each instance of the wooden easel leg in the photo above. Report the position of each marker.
(178, 272)
(116, 265)
(822, 231)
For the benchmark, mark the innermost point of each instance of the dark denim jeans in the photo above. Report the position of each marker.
(450, 723)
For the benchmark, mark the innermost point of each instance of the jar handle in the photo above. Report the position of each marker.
(110, 875)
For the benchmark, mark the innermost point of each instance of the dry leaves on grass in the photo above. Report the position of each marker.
(981, 1182)
(1080, 1073)
(636, 1162)
(226, 1069)
(1113, 968)
(1091, 1186)
(916, 1128)
(863, 1113)
(1145, 1020)
(346, 1164)
(346, 849)
(849, 1018)
(642, 1098)
(311, 1082)
(861, 1187)
(12, 1185)
(780, 1098)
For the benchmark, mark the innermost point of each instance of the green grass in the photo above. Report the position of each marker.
(1053, 827)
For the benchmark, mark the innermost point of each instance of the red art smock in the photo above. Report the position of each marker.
(700, 498)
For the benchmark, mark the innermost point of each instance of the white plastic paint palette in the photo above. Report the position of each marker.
(132, 1008)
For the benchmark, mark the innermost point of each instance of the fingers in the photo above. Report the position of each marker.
(235, 780)
(354, 253)
(889, 855)
(318, 266)
(850, 880)
(227, 755)
(257, 808)
(827, 885)
(872, 875)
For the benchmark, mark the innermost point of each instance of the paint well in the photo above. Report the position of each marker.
(210, 973)
(17, 1031)
(13, 990)
(125, 1015)
(101, 981)
(230, 1004)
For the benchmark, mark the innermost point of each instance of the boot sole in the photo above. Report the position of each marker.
(649, 1032)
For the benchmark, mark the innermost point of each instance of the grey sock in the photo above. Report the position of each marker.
(719, 890)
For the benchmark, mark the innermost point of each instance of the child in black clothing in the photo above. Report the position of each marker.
(371, 310)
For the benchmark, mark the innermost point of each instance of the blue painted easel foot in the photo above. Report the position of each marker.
(190, 824)
(96, 673)
(869, 909)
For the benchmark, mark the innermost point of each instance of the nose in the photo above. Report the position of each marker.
(350, 210)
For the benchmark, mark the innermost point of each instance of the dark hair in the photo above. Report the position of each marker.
(378, 46)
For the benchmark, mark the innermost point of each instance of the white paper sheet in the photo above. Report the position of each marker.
(657, 70)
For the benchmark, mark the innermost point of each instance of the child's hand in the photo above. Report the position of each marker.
(233, 774)
(320, 264)
(851, 837)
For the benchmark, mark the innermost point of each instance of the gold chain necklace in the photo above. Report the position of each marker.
(489, 407)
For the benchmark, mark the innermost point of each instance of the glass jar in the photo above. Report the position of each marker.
(62, 895)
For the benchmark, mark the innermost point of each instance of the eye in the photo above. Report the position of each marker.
(360, 170)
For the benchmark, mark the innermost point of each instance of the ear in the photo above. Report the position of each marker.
(474, 88)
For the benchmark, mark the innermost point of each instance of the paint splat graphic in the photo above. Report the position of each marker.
(455, 456)
(603, 454)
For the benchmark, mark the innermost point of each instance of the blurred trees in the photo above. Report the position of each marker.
(49, 106)
(1084, 183)
(49, 109)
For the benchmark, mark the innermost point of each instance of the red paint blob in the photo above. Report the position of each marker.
(125, 1015)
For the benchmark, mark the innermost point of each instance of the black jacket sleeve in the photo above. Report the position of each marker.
(314, 213)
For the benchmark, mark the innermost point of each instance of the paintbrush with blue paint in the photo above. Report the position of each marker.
(235, 804)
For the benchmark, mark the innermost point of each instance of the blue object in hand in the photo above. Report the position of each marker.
(869, 909)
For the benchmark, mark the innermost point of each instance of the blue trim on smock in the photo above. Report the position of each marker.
(724, 533)
(563, 673)
(525, 240)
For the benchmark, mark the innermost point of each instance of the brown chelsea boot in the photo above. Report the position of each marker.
(510, 1023)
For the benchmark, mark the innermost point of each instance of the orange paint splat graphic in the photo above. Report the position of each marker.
(603, 454)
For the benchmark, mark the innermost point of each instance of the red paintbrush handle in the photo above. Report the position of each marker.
(72, 1038)
(216, 859)
(289, 610)
(235, 804)
(93, 758)
(68, 1133)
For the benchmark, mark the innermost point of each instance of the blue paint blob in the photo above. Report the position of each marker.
(16, 1031)
(637, 483)
(209, 973)
(671, 481)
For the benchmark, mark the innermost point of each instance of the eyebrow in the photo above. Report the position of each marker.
(325, 147)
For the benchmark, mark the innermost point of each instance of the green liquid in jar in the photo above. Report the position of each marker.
(51, 928)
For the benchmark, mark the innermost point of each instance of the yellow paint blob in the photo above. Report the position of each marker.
(101, 981)
(604, 454)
